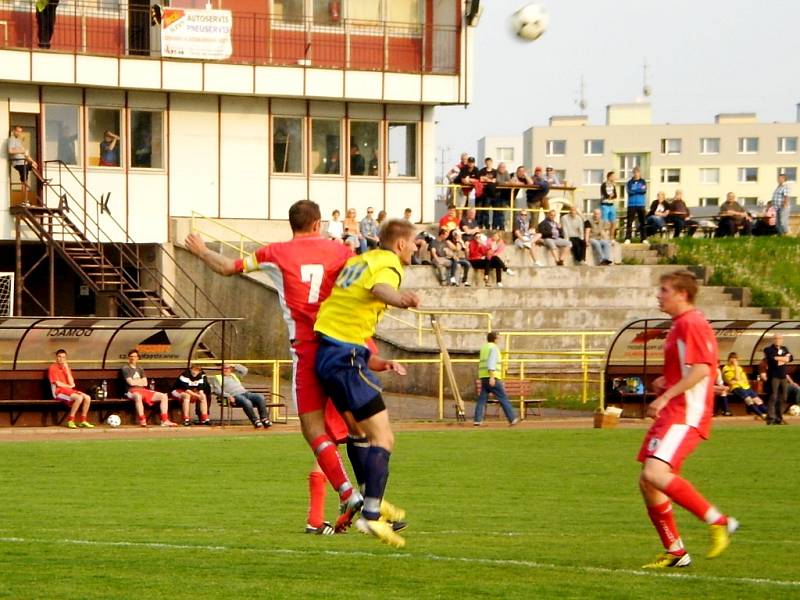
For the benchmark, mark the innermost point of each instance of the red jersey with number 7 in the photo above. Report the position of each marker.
(303, 271)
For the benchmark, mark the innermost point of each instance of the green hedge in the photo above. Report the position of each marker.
(769, 266)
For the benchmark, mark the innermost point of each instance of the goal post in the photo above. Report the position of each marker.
(6, 294)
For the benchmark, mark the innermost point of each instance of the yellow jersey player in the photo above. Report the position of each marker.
(346, 320)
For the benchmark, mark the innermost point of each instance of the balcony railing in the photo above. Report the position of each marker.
(121, 30)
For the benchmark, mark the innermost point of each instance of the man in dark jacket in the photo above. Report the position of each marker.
(553, 238)
(777, 356)
(637, 199)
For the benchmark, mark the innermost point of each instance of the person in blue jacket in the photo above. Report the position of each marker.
(637, 199)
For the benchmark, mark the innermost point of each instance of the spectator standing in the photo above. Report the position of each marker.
(777, 356)
(598, 236)
(450, 219)
(488, 179)
(608, 201)
(332, 165)
(458, 254)
(109, 150)
(62, 384)
(20, 159)
(229, 387)
(369, 229)
(538, 198)
(637, 198)
(553, 238)
(680, 216)
(550, 176)
(357, 164)
(45, 21)
(736, 379)
(525, 238)
(490, 372)
(469, 225)
(732, 218)
(657, 215)
(502, 198)
(136, 379)
(470, 180)
(573, 225)
(352, 231)
(780, 201)
(190, 388)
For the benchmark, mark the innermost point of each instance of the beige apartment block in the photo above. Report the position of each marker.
(706, 161)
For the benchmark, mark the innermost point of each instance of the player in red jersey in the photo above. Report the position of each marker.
(682, 413)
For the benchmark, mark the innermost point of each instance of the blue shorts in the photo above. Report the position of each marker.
(608, 212)
(343, 372)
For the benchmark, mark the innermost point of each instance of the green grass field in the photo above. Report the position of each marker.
(494, 513)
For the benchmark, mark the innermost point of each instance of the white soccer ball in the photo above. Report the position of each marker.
(530, 22)
(794, 410)
(114, 421)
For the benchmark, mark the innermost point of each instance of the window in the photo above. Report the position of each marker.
(748, 175)
(709, 201)
(593, 176)
(787, 145)
(104, 142)
(748, 145)
(327, 12)
(287, 145)
(749, 201)
(709, 175)
(147, 136)
(404, 11)
(62, 126)
(593, 147)
(670, 175)
(561, 175)
(365, 148)
(709, 145)
(505, 154)
(288, 10)
(326, 142)
(402, 149)
(364, 10)
(790, 172)
(556, 147)
(670, 145)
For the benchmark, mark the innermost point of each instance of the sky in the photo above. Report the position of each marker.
(705, 57)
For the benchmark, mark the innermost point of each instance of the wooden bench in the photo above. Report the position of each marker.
(517, 390)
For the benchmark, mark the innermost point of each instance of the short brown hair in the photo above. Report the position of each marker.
(302, 215)
(132, 352)
(682, 280)
(393, 230)
(733, 355)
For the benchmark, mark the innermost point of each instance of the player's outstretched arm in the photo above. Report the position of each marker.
(219, 264)
(388, 295)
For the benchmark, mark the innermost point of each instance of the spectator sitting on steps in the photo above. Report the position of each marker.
(450, 219)
(525, 238)
(458, 254)
(481, 257)
(553, 238)
(62, 383)
(732, 218)
(598, 236)
(657, 215)
(572, 224)
(469, 225)
(497, 247)
(235, 393)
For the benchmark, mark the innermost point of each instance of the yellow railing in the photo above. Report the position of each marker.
(454, 189)
(422, 314)
(197, 220)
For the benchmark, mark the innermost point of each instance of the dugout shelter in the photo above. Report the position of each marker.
(637, 353)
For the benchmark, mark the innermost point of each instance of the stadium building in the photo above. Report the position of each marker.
(230, 109)
(734, 153)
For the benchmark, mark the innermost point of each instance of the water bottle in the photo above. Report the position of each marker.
(152, 384)
(104, 390)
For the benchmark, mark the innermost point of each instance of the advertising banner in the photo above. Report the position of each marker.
(196, 33)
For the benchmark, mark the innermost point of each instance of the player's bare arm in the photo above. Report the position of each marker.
(378, 364)
(387, 294)
(219, 264)
(695, 375)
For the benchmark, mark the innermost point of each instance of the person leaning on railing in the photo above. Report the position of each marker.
(502, 199)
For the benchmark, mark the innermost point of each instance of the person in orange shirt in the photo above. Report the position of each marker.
(62, 384)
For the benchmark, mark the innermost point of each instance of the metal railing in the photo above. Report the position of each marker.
(420, 316)
(241, 238)
(258, 38)
(557, 202)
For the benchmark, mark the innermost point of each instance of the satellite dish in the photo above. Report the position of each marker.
(647, 91)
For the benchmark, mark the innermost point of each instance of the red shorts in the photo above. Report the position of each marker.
(307, 392)
(193, 396)
(669, 442)
(147, 395)
(64, 395)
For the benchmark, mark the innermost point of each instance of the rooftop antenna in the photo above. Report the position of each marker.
(581, 101)
(647, 91)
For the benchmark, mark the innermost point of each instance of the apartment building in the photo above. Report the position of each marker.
(507, 149)
(706, 161)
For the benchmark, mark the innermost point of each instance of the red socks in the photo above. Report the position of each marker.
(164, 417)
(683, 493)
(316, 494)
(70, 418)
(330, 462)
(83, 418)
(664, 521)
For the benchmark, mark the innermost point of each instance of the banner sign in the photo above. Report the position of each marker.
(196, 33)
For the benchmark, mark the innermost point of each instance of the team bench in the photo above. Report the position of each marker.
(272, 401)
(518, 390)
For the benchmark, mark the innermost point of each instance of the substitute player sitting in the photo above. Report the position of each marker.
(682, 412)
(346, 320)
(136, 380)
(62, 383)
(189, 388)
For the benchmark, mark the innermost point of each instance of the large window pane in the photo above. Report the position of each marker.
(62, 141)
(327, 12)
(326, 140)
(403, 11)
(402, 149)
(364, 10)
(147, 139)
(287, 144)
(104, 143)
(364, 148)
(288, 10)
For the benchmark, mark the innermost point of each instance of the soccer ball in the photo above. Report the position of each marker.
(530, 22)
(794, 410)
(114, 421)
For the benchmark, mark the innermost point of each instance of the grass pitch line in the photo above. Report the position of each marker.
(760, 581)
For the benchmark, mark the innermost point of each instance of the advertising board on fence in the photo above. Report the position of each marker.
(196, 33)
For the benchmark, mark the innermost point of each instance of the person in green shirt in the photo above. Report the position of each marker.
(489, 369)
